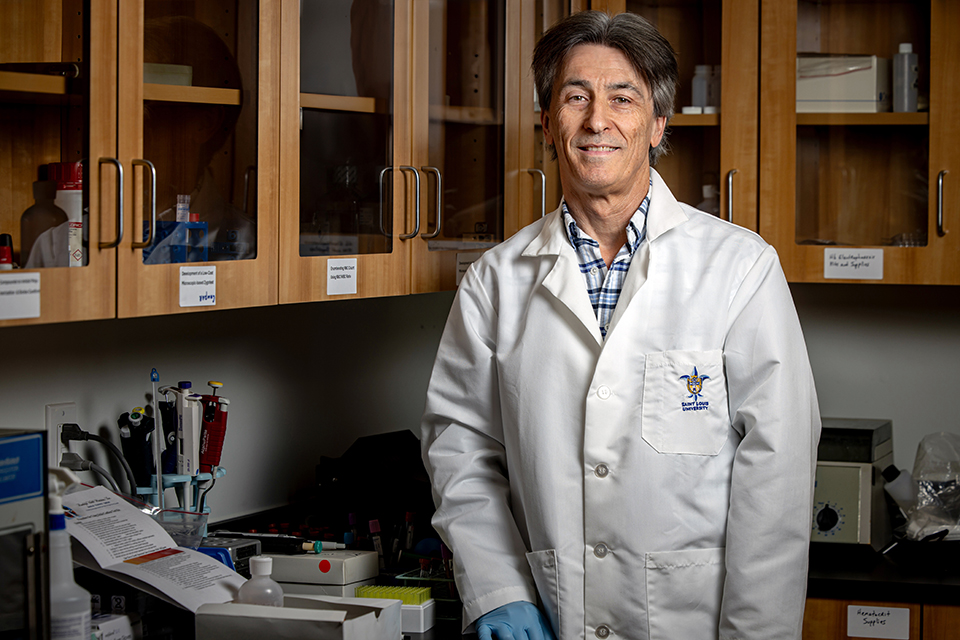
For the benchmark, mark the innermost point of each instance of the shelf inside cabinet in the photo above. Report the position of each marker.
(193, 95)
(464, 115)
(338, 103)
(695, 120)
(863, 119)
(32, 83)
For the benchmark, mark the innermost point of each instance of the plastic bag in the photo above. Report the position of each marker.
(936, 472)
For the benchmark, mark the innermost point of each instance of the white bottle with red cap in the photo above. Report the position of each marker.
(69, 179)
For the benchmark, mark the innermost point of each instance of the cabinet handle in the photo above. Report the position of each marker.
(543, 190)
(383, 173)
(153, 203)
(730, 173)
(436, 231)
(246, 186)
(416, 228)
(116, 163)
(940, 230)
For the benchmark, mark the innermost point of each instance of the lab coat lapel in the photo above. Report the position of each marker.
(564, 280)
(664, 214)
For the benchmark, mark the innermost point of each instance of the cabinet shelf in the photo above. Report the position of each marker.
(193, 95)
(32, 83)
(338, 103)
(695, 120)
(464, 115)
(874, 119)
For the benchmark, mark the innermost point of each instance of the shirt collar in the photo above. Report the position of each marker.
(636, 226)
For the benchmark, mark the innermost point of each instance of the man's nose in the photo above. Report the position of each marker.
(597, 118)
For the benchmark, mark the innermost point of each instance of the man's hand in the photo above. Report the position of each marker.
(514, 621)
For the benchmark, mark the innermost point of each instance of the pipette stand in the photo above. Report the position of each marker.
(187, 488)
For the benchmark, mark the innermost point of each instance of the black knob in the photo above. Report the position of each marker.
(827, 519)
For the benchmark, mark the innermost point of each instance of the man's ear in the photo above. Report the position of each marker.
(545, 125)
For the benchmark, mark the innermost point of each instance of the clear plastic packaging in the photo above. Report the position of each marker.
(936, 472)
(261, 588)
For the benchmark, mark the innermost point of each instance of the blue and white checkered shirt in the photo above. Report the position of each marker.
(604, 285)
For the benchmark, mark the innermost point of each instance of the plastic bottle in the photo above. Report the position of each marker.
(700, 85)
(901, 487)
(261, 588)
(70, 611)
(6, 252)
(905, 73)
(713, 89)
(68, 177)
(710, 203)
(44, 214)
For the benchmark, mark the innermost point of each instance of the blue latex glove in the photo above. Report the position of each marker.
(514, 621)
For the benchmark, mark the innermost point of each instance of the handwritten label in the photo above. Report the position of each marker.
(464, 260)
(341, 276)
(878, 622)
(19, 295)
(853, 264)
(198, 286)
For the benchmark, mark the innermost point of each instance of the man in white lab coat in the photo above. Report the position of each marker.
(621, 425)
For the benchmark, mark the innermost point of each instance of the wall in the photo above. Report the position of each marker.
(306, 380)
(302, 380)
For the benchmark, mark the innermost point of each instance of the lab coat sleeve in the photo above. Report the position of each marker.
(463, 451)
(773, 405)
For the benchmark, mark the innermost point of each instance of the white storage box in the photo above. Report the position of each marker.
(111, 626)
(314, 617)
(342, 590)
(338, 567)
(843, 84)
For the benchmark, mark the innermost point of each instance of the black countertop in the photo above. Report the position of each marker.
(911, 572)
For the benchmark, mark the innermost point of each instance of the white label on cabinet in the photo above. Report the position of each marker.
(878, 622)
(198, 286)
(853, 264)
(341, 276)
(464, 260)
(19, 295)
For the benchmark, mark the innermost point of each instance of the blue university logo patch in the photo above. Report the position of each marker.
(695, 389)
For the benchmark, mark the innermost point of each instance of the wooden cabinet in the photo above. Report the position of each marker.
(844, 191)
(155, 100)
(718, 150)
(826, 619)
(401, 162)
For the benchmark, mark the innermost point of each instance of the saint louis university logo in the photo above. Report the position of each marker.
(695, 387)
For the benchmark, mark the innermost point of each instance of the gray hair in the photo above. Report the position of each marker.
(646, 49)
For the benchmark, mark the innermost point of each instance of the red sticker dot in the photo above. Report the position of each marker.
(324, 566)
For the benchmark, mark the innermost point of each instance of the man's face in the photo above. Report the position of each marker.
(602, 124)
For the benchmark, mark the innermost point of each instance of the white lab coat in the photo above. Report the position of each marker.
(597, 476)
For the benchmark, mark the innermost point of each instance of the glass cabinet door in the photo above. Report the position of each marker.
(58, 197)
(855, 189)
(195, 132)
(348, 187)
(460, 136)
(711, 141)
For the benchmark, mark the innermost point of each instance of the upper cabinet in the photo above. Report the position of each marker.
(412, 154)
(141, 160)
(850, 190)
(712, 160)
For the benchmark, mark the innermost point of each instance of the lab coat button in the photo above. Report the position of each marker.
(603, 631)
(601, 550)
(604, 392)
(601, 470)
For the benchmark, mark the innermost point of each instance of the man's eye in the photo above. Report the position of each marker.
(621, 100)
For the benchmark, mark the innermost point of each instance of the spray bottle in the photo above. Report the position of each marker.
(70, 611)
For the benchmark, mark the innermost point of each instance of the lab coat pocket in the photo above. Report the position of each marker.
(684, 590)
(685, 402)
(543, 565)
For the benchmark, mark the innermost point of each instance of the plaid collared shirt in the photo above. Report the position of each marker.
(604, 285)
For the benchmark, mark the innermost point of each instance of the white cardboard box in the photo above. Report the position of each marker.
(342, 590)
(339, 567)
(111, 626)
(314, 617)
(843, 84)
